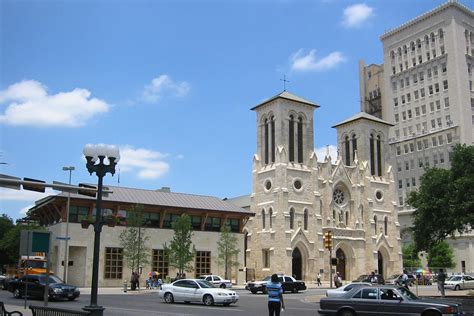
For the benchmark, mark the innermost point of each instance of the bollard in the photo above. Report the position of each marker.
(125, 286)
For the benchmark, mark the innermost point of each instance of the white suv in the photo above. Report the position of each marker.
(217, 281)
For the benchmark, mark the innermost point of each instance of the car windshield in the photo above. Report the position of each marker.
(205, 284)
(52, 279)
(33, 264)
(455, 278)
(268, 278)
(408, 294)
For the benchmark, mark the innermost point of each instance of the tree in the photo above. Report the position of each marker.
(227, 249)
(181, 251)
(133, 239)
(6, 224)
(410, 256)
(444, 201)
(441, 256)
(10, 243)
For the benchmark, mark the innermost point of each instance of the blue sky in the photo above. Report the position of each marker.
(172, 83)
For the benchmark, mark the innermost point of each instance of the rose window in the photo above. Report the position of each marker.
(338, 196)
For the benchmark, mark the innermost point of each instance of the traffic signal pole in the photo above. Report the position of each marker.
(328, 246)
(330, 267)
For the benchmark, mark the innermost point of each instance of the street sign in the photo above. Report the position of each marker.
(4, 183)
(63, 238)
(34, 241)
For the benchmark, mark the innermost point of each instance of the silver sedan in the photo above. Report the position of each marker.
(196, 290)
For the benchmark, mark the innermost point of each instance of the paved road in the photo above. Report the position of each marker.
(148, 303)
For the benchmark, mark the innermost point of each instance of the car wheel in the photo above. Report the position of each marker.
(346, 312)
(187, 302)
(457, 288)
(222, 286)
(226, 304)
(16, 293)
(169, 298)
(71, 298)
(208, 300)
(431, 313)
(253, 291)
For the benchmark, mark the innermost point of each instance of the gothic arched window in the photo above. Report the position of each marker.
(385, 225)
(354, 146)
(292, 218)
(347, 218)
(379, 156)
(291, 141)
(347, 151)
(272, 135)
(375, 224)
(300, 140)
(270, 214)
(263, 219)
(372, 155)
(265, 139)
(305, 222)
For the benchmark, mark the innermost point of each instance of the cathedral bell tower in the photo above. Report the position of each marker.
(282, 187)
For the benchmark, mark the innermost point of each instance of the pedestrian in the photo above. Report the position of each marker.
(133, 281)
(318, 279)
(337, 280)
(275, 296)
(373, 278)
(441, 279)
(405, 279)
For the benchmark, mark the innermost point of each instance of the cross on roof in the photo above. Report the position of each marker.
(284, 82)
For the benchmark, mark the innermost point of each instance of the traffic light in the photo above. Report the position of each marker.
(328, 240)
(334, 261)
(32, 186)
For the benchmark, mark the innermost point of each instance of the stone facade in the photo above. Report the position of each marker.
(297, 199)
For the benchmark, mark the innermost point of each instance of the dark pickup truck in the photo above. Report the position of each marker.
(288, 283)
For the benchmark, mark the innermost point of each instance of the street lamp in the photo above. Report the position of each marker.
(94, 153)
(66, 250)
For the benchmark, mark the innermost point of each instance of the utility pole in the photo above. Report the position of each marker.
(66, 250)
(328, 246)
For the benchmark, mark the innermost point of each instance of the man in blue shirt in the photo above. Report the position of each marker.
(275, 296)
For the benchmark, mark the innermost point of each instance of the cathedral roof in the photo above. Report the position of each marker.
(288, 96)
(363, 115)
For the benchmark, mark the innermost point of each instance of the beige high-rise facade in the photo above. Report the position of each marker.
(297, 199)
(429, 95)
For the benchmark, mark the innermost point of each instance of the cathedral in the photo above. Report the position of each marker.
(297, 199)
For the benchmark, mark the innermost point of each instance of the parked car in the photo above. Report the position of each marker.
(459, 282)
(385, 300)
(288, 283)
(396, 279)
(36, 284)
(197, 290)
(366, 278)
(217, 281)
(345, 288)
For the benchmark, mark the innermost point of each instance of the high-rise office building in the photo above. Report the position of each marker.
(426, 91)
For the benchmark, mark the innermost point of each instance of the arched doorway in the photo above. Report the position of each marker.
(296, 264)
(380, 263)
(341, 263)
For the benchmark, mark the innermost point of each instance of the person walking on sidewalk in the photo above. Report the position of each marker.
(275, 296)
(441, 279)
(318, 279)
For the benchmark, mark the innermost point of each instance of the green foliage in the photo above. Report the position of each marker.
(441, 256)
(227, 250)
(445, 200)
(134, 238)
(181, 252)
(410, 256)
(10, 242)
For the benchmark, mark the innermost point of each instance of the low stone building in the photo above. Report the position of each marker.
(297, 199)
(161, 208)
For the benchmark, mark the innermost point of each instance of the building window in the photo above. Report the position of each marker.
(168, 219)
(234, 224)
(270, 215)
(422, 92)
(413, 181)
(213, 224)
(203, 263)
(305, 220)
(77, 213)
(292, 218)
(159, 263)
(272, 135)
(196, 222)
(379, 156)
(437, 87)
(385, 225)
(265, 140)
(348, 151)
(443, 68)
(263, 219)
(445, 84)
(151, 219)
(113, 263)
(399, 166)
(300, 140)
(446, 102)
(291, 134)
(266, 258)
(354, 146)
(375, 224)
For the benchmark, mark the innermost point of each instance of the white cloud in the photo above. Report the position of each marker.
(23, 195)
(146, 163)
(301, 62)
(30, 105)
(163, 85)
(322, 152)
(357, 14)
